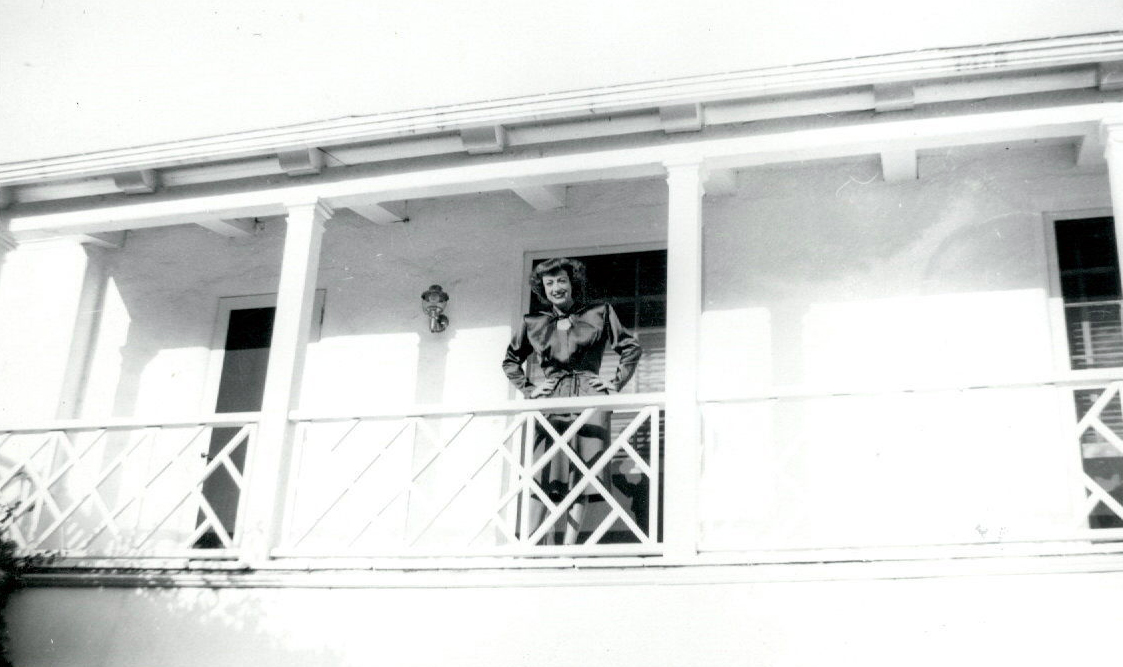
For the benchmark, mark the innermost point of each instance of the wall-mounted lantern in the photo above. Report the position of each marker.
(433, 302)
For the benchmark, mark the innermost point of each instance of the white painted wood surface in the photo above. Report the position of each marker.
(684, 308)
(296, 291)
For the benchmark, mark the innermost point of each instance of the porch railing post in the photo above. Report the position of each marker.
(269, 472)
(684, 309)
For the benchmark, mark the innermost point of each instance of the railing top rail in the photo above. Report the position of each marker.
(223, 419)
(1075, 379)
(1094, 302)
(577, 403)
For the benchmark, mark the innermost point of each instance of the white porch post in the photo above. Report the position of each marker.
(267, 480)
(684, 309)
(49, 295)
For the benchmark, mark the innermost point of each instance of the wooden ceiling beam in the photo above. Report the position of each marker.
(301, 162)
(899, 165)
(681, 118)
(720, 183)
(484, 139)
(232, 228)
(379, 214)
(136, 182)
(542, 197)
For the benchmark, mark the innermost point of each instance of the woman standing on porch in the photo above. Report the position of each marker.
(569, 340)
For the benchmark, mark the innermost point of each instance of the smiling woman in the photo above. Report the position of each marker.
(570, 340)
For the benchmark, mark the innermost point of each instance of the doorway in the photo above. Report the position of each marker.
(239, 362)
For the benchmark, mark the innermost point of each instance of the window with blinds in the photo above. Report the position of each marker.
(1089, 272)
(1090, 285)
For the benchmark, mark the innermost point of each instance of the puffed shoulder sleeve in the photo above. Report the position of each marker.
(517, 353)
(625, 345)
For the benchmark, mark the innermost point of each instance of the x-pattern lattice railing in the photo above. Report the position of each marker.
(124, 488)
(468, 483)
(1093, 421)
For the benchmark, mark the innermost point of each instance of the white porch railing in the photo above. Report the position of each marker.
(127, 488)
(849, 467)
(470, 481)
(794, 470)
(1100, 434)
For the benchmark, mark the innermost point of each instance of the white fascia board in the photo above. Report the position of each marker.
(725, 153)
(908, 66)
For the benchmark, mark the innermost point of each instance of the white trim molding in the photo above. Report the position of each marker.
(705, 568)
(840, 140)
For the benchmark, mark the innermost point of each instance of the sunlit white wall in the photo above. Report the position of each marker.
(872, 286)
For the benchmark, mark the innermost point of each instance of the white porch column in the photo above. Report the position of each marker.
(49, 296)
(684, 310)
(296, 290)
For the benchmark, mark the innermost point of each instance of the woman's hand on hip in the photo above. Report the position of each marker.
(601, 385)
(545, 389)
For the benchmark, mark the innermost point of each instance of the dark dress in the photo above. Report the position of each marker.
(570, 347)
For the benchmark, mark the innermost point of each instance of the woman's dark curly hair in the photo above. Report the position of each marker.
(573, 267)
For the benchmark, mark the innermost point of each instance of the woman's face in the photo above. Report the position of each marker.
(558, 289)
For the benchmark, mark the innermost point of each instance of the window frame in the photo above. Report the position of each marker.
(1085, 378)
(1062, 361)
(530, 256)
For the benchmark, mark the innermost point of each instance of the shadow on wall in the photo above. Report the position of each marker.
(156, 626)
(159, 310)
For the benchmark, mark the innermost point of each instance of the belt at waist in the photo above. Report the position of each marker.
(569, 382)
(560, 373)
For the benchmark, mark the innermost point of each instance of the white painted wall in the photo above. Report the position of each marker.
(853, 283)
(929, 622)
(89, 76)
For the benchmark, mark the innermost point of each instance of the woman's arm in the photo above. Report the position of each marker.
(517, 353)
(625, 345)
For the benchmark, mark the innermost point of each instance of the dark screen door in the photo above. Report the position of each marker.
(240, 389)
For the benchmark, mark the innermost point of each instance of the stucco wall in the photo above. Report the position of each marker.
(977, 620)
(855, 283)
